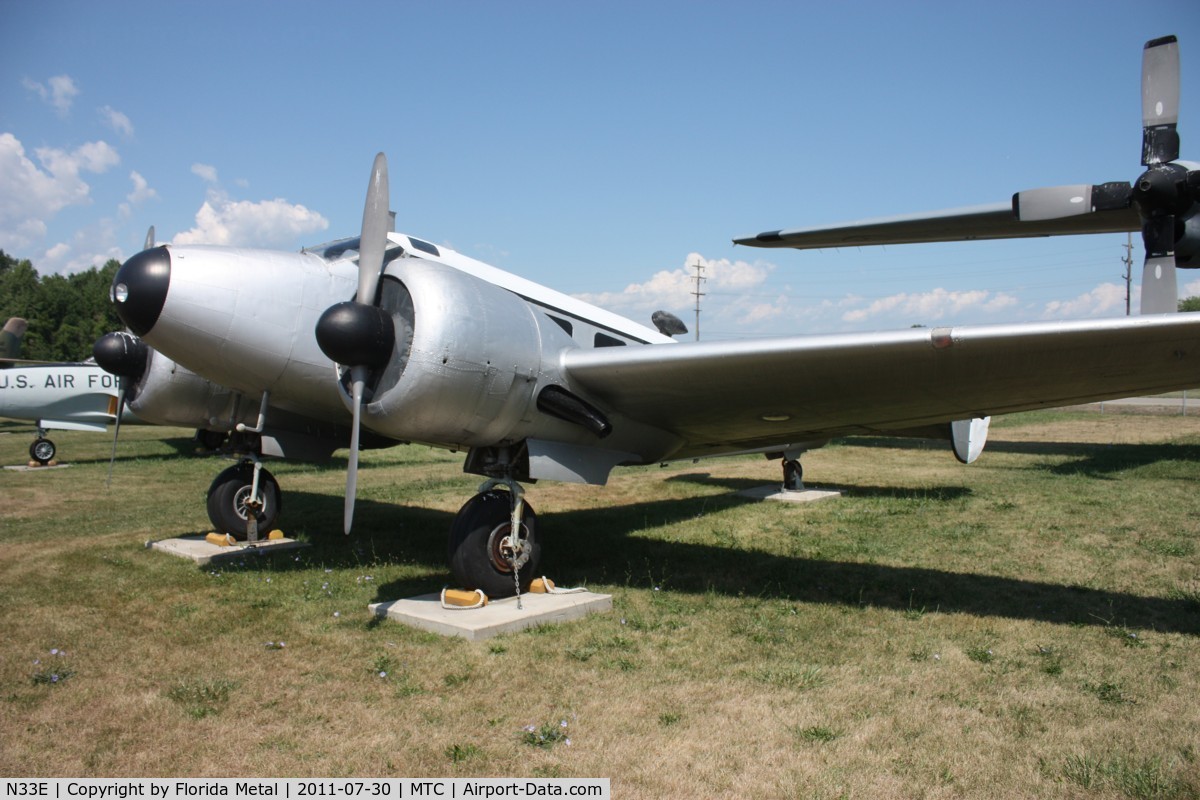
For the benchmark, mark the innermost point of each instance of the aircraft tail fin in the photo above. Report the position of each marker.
(11, 336)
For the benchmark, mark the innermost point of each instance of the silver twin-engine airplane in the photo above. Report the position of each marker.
(408, 341)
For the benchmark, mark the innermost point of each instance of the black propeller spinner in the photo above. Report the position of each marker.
(1164, 195)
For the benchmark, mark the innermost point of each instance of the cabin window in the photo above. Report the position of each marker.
(604, 340)
(562, 323)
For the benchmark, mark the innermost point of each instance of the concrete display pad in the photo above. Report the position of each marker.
(41, 468)
(498, 616)
(202, 552)
(773, 492)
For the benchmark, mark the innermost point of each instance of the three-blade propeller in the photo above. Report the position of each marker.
(358, 333)
(1161, 195)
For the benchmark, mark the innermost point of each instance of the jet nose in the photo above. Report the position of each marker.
(139, 288)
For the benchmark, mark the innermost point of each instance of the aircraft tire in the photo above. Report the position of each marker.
(42, 450)
(227, 500)
(475, 558)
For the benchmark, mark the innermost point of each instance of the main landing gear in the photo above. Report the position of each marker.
(485, 554)
(240, 493)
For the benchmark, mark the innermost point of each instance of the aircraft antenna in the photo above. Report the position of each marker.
(699, 278)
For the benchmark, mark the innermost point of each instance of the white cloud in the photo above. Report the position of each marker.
(268, 223)
(672, 289)
(141, 190)
(90, 246)
(1189, 289)
(60, 92)
(206, 172)
(117, 121)
(1107, 299)
(926, 307)
(32, 195)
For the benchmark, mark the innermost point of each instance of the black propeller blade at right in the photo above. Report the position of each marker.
(1160, 101)
(1161, 195)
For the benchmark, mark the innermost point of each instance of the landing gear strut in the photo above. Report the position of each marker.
(484, 553)
(793, 475)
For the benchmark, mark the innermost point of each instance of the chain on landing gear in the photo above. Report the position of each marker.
(512, 547)
(254, 505)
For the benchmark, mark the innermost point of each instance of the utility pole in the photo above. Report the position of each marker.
(1128, 259)
(699, 265)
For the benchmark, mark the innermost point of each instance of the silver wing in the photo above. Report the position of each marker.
(995, 221)
(724, 397)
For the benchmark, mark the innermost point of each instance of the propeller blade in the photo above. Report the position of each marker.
(1160, 101)
(373, 241)
(1053, 202)
(1056, 202)
(1159, 292)
(112, 459)
(149, 238)
(358, 380)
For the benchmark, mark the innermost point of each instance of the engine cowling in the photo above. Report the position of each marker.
(166, 393)
(468, 362)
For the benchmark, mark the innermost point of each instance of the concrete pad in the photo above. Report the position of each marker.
(27, 468)
(203, 553)
(498, 616)
(774, 492)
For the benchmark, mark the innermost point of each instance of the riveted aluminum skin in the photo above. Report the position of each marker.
(245, 319)
(474, 365)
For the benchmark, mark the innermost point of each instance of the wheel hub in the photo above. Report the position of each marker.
(502, 548)
(240, 502)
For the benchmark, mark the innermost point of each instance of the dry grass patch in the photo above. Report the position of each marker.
(1028, 626)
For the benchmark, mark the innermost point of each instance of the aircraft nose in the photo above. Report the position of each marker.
(139, 288)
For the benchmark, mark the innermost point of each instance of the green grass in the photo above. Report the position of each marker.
(1028, 625)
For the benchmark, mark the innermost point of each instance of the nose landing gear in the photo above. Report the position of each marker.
(233, 506)
(42, 450)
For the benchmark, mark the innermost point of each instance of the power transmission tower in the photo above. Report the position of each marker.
(699, 265)
(1128, 259)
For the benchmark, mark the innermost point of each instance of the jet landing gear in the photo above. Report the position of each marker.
(42, 450)
(231, 500)
(484, 553)
(793, 475)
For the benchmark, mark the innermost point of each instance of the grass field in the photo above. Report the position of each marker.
(1028, 626)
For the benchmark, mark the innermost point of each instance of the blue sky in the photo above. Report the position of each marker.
(599, 148)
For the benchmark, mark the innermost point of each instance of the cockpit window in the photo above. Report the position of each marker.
(341, 249)
(424, 247)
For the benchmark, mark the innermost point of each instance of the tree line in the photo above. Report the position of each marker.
(66, 313)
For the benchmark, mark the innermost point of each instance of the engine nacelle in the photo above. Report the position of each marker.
(169, 394)
(469, 361)
(1187, 245)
